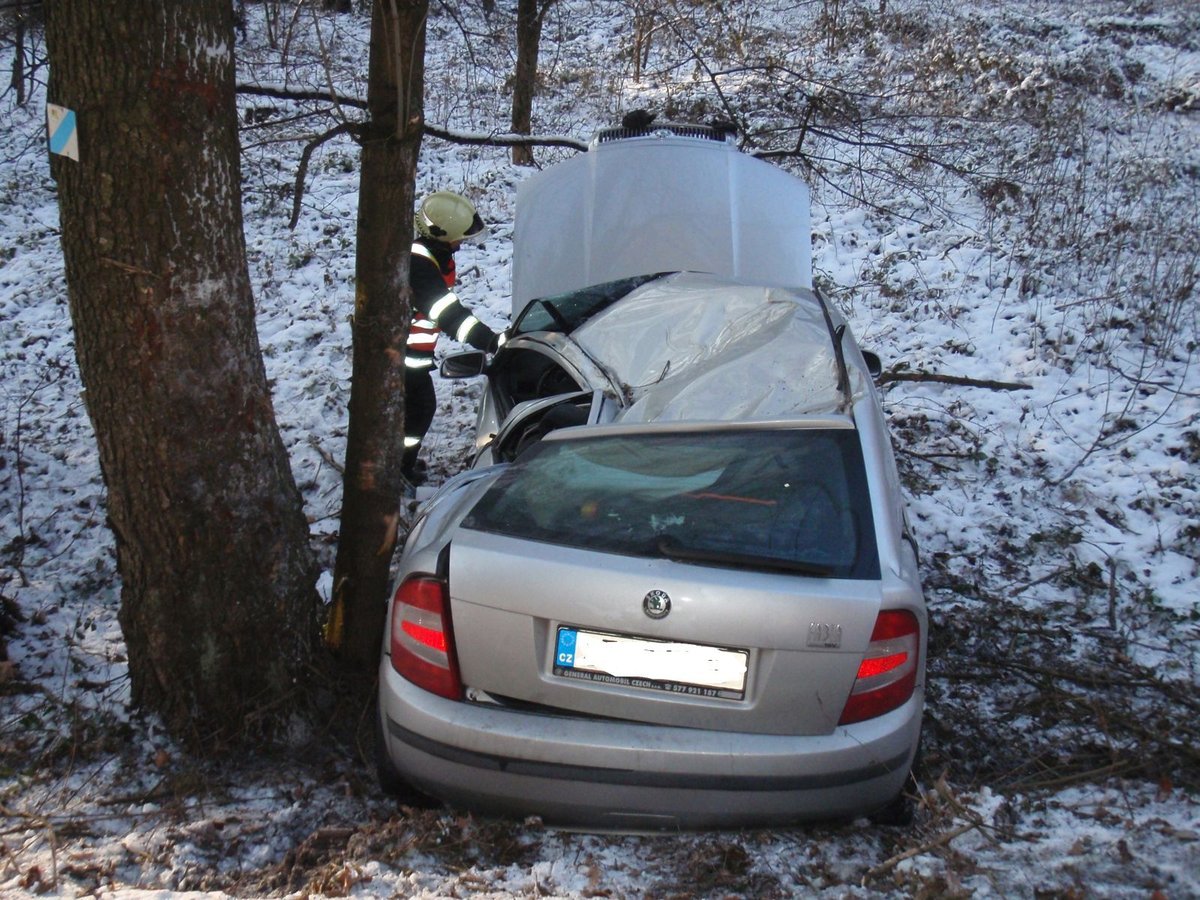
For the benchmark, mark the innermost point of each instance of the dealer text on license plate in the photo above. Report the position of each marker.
(693, 669)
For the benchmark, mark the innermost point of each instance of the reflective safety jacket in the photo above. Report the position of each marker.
(436, 308)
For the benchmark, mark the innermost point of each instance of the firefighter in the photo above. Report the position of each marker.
(444, 220)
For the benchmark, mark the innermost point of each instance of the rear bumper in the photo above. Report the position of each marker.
(608, 774)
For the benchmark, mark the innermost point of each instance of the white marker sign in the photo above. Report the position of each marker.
(63, 139)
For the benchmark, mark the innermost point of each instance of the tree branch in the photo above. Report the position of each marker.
(960, 380)
(305, 156)
(453, 137)
(505, 140)
(278, 93)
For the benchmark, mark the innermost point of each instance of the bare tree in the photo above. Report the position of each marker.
(372, 489)
(217, 603)
(531, 15)
(20, 22)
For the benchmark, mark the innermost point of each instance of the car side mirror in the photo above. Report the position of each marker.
(874, 363)
(467, 364)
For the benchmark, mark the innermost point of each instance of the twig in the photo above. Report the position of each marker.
(315, 443)
(1050, 784)
(933, 458)
(940, 841)
(35, 822)
(53, 841)
(943, 790)
(1049, 576)
(10, 859)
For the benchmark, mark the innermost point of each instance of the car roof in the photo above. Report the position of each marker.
(662, 199)
(828, 422)
(695, 346)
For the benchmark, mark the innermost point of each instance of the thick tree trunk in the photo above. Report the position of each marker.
(372, 488)
(217, 603)
(529, 38)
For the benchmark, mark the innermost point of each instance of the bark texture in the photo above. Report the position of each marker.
(372, 488)
(217, 603)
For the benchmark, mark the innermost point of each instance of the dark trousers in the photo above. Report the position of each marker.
(420, 403)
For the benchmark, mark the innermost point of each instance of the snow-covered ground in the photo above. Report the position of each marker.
(1032, 221)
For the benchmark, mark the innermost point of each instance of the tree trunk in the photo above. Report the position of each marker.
(643, 35)
(372, 487)
(17, 82)
(217, 602)
(529, 38)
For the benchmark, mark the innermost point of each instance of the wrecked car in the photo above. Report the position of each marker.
(677, 588)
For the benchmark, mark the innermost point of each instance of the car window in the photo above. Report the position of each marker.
(566, 312)
(787, 500)
(520, 374)
(528, 426)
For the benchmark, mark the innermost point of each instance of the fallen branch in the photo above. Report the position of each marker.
(959, 380)
(1095, 775)
(941, 790)
(932, 458)
(1093, 678)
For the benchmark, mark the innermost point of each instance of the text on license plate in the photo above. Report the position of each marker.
(695, 669)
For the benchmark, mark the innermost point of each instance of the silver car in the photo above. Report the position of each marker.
(677, 588)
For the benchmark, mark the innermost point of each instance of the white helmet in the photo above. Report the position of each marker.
(448, 217)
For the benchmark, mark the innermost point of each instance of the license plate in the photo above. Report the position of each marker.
(696, 670)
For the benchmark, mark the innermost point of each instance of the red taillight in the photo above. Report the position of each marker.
(422, 637)
(887, 675)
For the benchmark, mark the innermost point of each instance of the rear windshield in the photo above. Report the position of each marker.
(773, 500)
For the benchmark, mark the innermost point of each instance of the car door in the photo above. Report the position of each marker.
(531, 420)
(533, 387)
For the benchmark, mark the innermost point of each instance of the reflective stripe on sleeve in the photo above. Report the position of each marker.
(411, 441)
(465, 328)
(435, 311)
(418, 362)
(422, 339)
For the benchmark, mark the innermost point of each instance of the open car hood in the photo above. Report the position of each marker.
(602, 215)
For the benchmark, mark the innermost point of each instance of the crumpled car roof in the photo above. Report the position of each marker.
(697, 347)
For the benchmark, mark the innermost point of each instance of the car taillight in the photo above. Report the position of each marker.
(887, 675)
(422, 636)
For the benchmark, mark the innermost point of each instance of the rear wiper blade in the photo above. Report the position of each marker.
(672, 549)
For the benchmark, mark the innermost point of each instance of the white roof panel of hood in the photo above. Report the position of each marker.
(659, 203)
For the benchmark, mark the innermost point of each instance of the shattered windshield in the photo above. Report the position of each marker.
(566, 312)
(770, 500)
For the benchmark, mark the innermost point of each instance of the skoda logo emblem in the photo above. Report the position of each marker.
(656, 604)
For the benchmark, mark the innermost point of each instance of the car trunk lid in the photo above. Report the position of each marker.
(518, 605)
